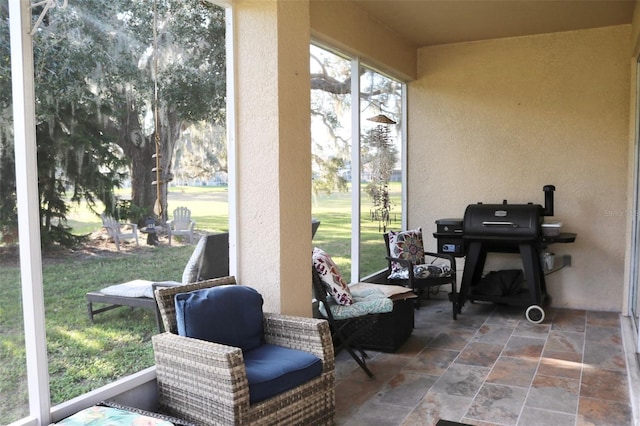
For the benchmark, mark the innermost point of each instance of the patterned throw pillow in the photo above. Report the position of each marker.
(331, 278)
(111, 416)
(405, 245)
(422, 271)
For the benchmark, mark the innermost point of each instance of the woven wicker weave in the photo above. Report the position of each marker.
(206, 382)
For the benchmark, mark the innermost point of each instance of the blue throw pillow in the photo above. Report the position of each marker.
(227, 314)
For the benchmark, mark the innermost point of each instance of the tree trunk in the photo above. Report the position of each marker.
(141, 150)
(143, 194)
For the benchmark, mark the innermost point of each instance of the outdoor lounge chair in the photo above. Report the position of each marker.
(210, 259)
(134, 294)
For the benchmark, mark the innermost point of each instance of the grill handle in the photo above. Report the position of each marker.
(548, 200)
(500, 224)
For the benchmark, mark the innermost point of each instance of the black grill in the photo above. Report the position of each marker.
(502, 228)
(507, 222)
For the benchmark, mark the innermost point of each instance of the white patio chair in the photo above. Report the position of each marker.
(114, 228)
(181, 224)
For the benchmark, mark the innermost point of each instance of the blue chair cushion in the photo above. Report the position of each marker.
(228, 314)
(274, 369)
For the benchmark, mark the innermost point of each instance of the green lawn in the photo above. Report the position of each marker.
(84, 356)
(334, 233)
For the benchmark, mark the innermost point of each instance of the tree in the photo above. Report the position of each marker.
(97, 66)
(200, 153)
(330, 105)
(153, 87)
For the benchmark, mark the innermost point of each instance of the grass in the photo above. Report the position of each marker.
(334, 233)
(84, 356)
(208, 205)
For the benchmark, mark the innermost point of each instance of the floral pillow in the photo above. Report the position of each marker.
(111, 416)
(422, 271)
(331, 278)
(405, 245)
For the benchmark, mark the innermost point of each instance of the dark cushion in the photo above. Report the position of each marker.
(274, 369)
(227, 314)
(215, 259)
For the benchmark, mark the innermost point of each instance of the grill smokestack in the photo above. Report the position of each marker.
(548, 200)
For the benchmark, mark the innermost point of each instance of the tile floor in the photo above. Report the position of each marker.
(492, 367)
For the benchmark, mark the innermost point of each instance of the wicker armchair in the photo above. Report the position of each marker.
(206, 382)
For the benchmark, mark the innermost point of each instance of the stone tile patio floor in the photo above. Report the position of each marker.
(492, 367)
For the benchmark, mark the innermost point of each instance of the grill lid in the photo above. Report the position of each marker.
(503, 220)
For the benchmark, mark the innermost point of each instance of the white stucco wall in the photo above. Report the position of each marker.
(499, 119)
(273, 149)
(343, 25)
(631, 178)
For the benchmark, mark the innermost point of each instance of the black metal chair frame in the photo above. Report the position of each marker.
(344, 332)
(418, 285)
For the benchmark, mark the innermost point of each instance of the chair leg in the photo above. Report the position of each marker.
(359, 360)
(345, 342)
(419, 292)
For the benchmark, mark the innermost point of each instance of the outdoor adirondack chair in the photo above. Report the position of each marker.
(181, 224)
(114, 228)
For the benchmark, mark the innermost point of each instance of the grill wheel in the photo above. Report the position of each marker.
(535, 314)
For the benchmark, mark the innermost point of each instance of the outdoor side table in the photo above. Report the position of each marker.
(152, 235)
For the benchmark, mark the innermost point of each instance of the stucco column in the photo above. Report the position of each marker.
(273, 151)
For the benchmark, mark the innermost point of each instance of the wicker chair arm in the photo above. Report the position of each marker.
(305, 334)
(211, 374)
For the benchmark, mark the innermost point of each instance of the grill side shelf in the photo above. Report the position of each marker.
(563, 237)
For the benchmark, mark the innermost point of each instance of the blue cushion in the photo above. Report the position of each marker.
(227, 314)
(273, 369)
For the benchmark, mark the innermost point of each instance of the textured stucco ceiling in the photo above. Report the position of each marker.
(431, 22)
